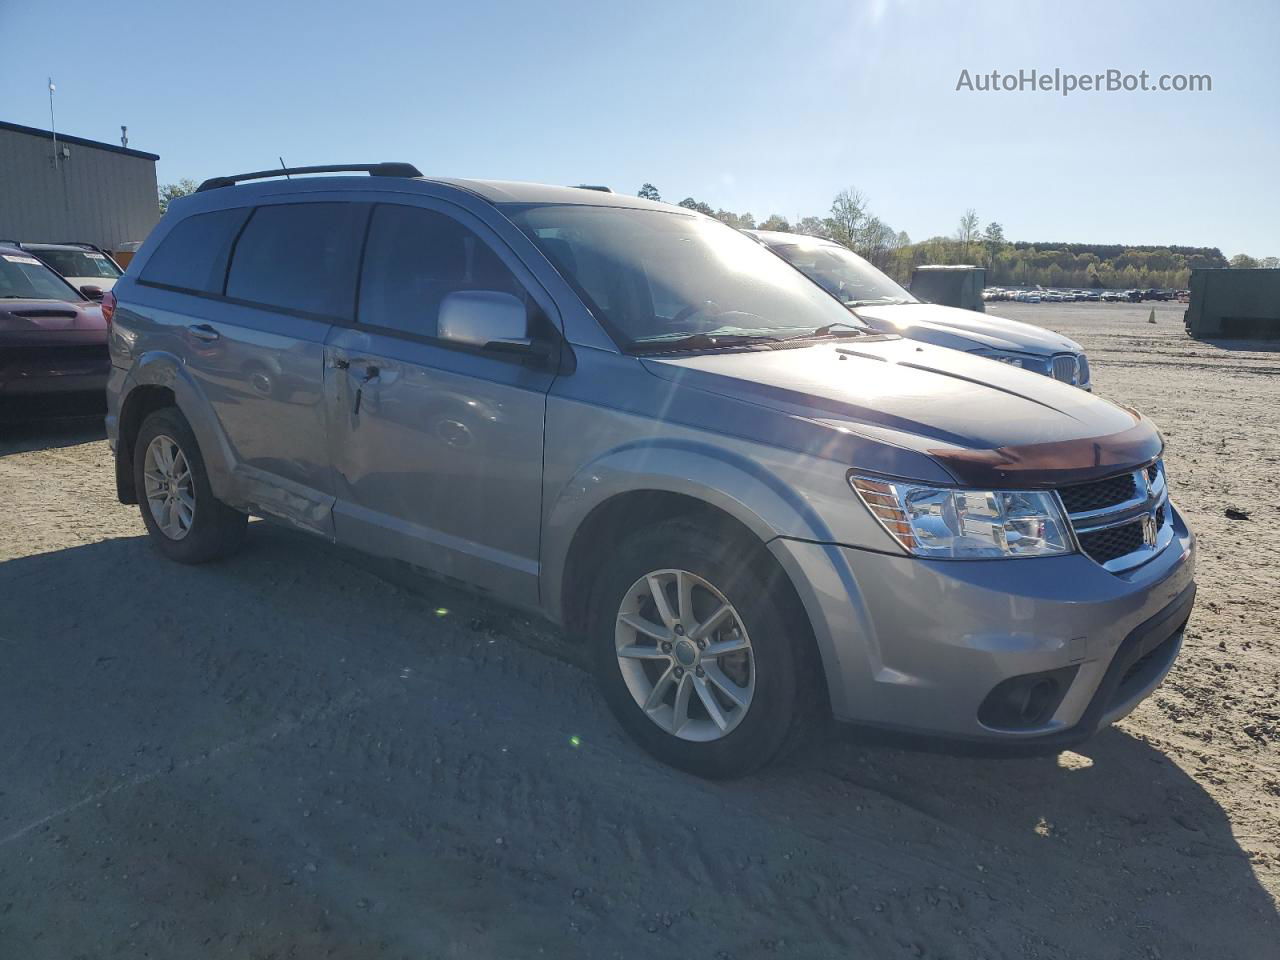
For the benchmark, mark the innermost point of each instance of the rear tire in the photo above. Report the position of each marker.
(186, 522)
(720, 703)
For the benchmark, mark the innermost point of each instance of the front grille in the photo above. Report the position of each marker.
(1112, 542)
(1064, 368)
(1084, 497)
(1123, 521)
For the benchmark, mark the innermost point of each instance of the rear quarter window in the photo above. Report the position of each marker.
(301, 257)
(193, 255)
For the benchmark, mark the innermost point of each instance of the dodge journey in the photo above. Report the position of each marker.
(751, 508)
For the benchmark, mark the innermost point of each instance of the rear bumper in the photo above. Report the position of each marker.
(921, 646)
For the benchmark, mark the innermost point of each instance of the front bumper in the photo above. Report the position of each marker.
(64, 361)
(918, 646)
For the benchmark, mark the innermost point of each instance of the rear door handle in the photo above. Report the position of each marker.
(202, 331)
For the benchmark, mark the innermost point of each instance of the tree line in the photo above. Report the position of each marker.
(1008, 263)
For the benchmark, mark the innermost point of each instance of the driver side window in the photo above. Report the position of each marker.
(413, 259)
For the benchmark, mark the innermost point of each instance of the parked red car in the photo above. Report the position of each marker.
(52, 340)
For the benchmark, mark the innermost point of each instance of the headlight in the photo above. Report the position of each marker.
(1024, 360)
(944, 523)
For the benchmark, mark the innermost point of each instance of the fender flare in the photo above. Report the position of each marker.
(737, 485)
(159, 368)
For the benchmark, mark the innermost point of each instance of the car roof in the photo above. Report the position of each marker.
(519, 192)
(779, 236)
(69, 245)
(497, 192)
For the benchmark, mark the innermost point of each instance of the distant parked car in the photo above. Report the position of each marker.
(52, 340)
(879, 302)
(1113, 296)
(86, 267)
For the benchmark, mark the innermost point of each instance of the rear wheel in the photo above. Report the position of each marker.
(186, 522)
(698, 650)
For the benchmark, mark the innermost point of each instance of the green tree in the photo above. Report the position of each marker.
(848, 210)
(691, 204)
(1242, 261)
(172, 191)
(813, 227)
(967, 231)
(776, 222)
(742, 221)
(993, 239)
(649, 192)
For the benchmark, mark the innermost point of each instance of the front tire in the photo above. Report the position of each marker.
(699, 650)
(186, 522)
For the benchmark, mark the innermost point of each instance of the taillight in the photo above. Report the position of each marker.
(108, 308)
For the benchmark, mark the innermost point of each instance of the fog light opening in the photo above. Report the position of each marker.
(1022, 703)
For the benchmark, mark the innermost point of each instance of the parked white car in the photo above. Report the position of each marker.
(881, 303)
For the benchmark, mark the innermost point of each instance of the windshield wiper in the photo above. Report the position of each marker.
(830, 331)
(877, 302)
(699, 341)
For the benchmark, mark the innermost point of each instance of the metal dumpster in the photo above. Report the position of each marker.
(952, 286)
(1232, 302)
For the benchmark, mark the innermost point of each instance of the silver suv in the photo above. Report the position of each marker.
(752, 509)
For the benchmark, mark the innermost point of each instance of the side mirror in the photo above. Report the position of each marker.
(91, 292)
(488, 319)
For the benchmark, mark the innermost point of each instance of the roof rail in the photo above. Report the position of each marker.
(594, 186)
(373, 169)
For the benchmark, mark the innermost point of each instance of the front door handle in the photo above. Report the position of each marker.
(369, 379)
(204, 332)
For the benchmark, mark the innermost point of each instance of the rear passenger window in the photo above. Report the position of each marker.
(300, 256)
(193, 256)
(414, 258)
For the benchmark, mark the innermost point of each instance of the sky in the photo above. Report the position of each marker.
(752, 106)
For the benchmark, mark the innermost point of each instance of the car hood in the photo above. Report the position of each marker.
(102, 283)
(965, 329)
(985, 422)
(19, 316)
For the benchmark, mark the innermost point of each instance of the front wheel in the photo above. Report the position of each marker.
(699, 650)
(186, 522)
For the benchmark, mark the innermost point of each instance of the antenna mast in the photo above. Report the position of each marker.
(53, 127)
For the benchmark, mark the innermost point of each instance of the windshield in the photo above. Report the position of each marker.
(80, 263)
(650, 276)
(23, 277)
(841, 272)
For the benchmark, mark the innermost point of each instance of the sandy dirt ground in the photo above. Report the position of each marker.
(295, 755)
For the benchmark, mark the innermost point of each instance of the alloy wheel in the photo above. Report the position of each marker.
(170, 487)
(685, 655)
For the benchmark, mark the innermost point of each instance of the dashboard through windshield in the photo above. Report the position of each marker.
(650, 276)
